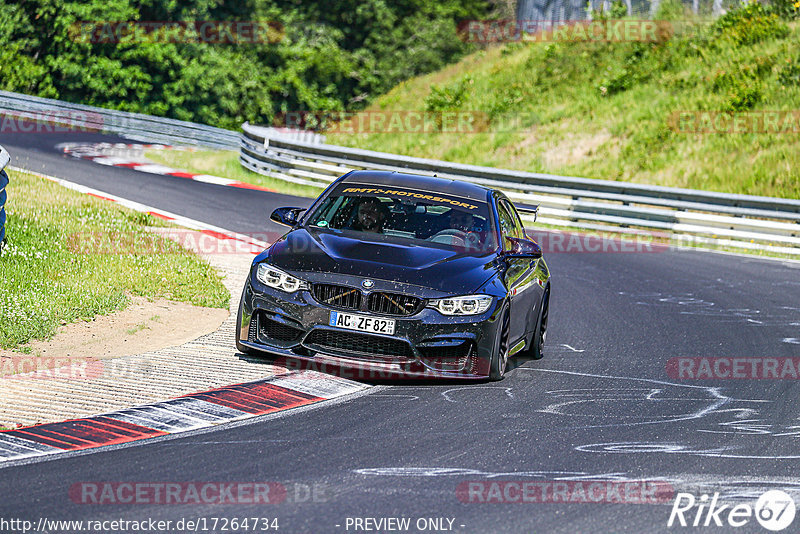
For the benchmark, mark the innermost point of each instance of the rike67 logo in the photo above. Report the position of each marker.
(774, 511)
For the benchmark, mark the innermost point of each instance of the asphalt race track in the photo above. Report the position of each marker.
(201, 201)
(601, 405)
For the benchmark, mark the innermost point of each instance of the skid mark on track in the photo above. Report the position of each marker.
(640, 447)
(448, 394)
(750, 427)
(709, 409)
(709, 399)
(457, 471)
(688, 304)
(394, 396)
(736, 488)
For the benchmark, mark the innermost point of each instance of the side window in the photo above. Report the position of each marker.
(508, 223)
(520, 229)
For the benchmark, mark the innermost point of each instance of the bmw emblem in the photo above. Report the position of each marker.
(367, 284)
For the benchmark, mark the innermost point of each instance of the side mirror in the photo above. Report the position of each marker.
(523, 248)
(286, 216)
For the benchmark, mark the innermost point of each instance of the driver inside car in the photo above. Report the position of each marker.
(461, 220)
(370, 216)
(469, 228)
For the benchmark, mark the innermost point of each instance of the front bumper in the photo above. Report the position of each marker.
(424, 345)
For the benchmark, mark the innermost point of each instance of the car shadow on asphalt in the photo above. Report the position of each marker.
(370, 376)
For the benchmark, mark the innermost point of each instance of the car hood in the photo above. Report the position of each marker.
(382, 257)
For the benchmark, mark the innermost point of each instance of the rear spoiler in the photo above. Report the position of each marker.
(528, 208)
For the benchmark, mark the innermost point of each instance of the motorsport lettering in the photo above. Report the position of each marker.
(397, 193)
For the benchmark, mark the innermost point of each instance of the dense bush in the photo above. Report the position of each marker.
(750, 24)
(786, 9)
(790, 73)
(449, 98)
(334, 55)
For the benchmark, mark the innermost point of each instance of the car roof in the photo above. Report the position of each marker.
(431, 184)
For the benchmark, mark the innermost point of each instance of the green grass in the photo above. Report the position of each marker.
(602, 110)
(599, 110)
(47, 279)
(225, 163)
(138, 328)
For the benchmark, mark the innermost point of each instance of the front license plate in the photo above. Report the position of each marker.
(362, 323)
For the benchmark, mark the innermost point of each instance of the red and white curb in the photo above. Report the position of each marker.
(182, 414)
(100, 153)
(244, 242)
(188, 412)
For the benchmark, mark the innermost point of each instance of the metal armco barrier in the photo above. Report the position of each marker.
(287, 134)
(4, 159)
(48, 115)
(135, 126)
(696, 217)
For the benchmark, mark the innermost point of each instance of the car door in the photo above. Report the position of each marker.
(518, 276)
(533, 286)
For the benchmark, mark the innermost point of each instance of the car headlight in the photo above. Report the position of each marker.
(467, 305)
(272, 277)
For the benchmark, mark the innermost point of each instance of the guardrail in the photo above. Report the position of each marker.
(695, 217)
(287, 134)
(4, 159)
(135, 126)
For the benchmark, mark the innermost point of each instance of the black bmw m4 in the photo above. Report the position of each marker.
(404, 275)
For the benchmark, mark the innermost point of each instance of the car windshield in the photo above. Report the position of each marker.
(419, 216)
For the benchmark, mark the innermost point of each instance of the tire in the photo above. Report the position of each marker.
(497, 367)
(536, 350)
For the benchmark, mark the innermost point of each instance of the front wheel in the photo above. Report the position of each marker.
(536, 350)
(497, 367)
